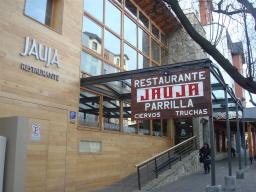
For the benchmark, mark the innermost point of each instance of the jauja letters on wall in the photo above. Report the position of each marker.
(171, 94)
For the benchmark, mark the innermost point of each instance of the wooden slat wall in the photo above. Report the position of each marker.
(120, 153)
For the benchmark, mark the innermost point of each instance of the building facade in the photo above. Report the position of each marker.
(71, 138)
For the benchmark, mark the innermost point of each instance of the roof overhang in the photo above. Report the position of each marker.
(118, 85)
(250, 114)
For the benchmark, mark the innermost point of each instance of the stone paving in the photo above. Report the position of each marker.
(198, 181)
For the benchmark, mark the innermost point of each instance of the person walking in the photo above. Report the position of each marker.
(205, 157)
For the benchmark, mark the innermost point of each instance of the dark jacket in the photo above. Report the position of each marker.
(205, 154)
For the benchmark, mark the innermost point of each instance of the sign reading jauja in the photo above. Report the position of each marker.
(171, 94)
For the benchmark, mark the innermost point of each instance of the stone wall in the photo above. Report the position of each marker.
(182, 47)
(186, 166)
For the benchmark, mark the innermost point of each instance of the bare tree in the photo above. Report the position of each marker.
(245, 82)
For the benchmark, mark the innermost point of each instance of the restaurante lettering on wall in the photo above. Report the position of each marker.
(172, 94)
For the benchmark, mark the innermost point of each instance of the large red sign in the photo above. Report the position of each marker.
(172, 94)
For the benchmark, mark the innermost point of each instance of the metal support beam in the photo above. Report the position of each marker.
(244, 144)
(228, 135)
(238, 136)
(128, 74)
(213, 176)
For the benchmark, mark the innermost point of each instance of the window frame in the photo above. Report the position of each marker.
(57, 29)
(147, 30)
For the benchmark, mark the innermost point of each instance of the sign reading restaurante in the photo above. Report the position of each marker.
(171, 94)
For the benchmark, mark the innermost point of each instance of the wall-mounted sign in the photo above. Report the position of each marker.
(43, 53)
(72, 116)
(36, 136)
(171, 94)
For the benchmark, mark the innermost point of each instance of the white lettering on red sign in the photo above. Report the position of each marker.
(177, 91)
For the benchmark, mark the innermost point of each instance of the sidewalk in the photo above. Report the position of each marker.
(198, 181)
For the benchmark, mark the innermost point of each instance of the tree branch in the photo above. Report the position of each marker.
(228, 12)
(246, 83)
(250, 9)
(251, 100)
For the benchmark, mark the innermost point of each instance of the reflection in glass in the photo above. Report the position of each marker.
(92, 35)
(144, 127)
(109, 69)
(130, 31)
(163, 39)
(95, 8)
(113, 17)
(143, 20)
(90, 64)
(143, 43)
(155, 51)
(129, 126)
(164, 56)
(111, 113)
(155, 31)
(165, 126)
(39, 10)
(131, 8)
(156, 127)
(143, 62)
(112, 49)
(153, 64)
(89, 109)
(130, 58)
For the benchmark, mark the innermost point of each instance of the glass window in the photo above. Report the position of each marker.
(39, 10)
(165, 127)
(109, 69)
(130, 31)
(92, 35)
(94, 8)
(156, 127)
(143, 20)
(89, 147)
(89, 109)
(155, 51)
(113, 17)
(164, 56)
(90, 64)
(94, 46)
(112, 48)
(143, 43)
(144, 127)
(163, 39)
(143, 62)
(129, 125)
(131, 8)
(120, 1)
(130, 58)
(111, 112)
(153, 64)
(155, 31)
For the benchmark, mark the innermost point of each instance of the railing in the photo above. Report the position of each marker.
(150, 168)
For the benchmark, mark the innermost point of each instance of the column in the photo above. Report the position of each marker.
(250, 142)
(218, 141)
(223, 142)
(254, 143)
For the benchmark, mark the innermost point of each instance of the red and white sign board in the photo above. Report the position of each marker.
(171, 94)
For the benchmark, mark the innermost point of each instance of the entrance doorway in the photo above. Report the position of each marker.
(183, 129)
